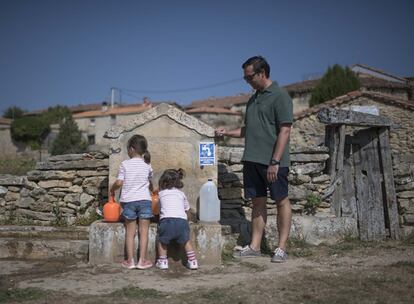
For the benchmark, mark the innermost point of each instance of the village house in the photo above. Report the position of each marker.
(371, 79)
(93, 124)
(309, 131)
(7, 145)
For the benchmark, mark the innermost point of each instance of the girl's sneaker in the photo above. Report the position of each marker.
(192, 264)
(128, 265)
(144, 264)
(162, 264)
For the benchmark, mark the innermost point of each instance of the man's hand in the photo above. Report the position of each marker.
(272, 173)
(220, 132)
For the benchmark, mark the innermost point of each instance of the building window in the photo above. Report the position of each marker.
(91, 139)
(92, 122)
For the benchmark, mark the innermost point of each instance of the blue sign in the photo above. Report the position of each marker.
(207, 155)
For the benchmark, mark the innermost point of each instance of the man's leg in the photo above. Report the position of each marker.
(284, 220)
(259, 219)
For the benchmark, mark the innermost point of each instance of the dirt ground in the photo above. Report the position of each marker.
(349, 272)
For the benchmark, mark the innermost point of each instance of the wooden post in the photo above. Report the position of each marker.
(388, 181)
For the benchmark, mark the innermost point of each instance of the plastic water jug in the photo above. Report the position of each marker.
(111, 210)
(209, 202)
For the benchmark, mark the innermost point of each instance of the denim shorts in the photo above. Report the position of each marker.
(256, 184)
(173, 229)
(136, 210)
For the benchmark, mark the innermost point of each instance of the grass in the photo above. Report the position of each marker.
(299, 248)
(21, 295)
(16, 165)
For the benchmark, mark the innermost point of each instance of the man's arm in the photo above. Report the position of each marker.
(281, 142)
(239, 132)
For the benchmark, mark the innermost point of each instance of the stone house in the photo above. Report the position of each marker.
(7, 146)
(372, 80)
(307, 130)
(217, 117)
(93, 124)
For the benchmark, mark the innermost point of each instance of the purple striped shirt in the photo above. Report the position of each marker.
(136, 175)
(173, 203)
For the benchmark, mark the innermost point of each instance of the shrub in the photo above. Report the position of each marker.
(312, 203)
(335, 82)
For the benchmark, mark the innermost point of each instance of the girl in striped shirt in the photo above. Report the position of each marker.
(173, 218)
(134, 177)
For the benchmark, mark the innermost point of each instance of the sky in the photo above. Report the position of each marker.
(70, 52)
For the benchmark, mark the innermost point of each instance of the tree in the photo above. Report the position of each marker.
(31, 130)
(69, 139)
(13, 112)
(335, 82)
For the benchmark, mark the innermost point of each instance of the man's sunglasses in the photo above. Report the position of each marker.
(249, 77)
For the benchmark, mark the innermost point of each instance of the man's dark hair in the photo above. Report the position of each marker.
(259, 64)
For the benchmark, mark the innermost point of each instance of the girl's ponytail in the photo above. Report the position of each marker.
(181, 173)
(147, 157)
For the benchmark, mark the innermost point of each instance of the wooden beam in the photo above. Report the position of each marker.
(390, 198)
(352, 118)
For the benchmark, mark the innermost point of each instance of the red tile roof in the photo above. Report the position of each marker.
(366, 82)
(114, 111)
(214, 110)
(380, 97)
(377, 71)
(5, 121)
(220, 102)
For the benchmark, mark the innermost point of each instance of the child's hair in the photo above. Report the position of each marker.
(139, 144)
(171, 178)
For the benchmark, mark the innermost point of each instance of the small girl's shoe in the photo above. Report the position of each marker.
(162, 264)
(192, 264)
(144, 264)
(128, 265)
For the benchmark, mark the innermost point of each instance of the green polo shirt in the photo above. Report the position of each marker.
(265, 112)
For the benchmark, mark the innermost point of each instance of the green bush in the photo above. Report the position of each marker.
(69, 139)
(13, 112)
(31, 130)
(312, 203)
(335, 82)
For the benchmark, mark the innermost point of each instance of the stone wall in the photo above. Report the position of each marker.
(62, 191)
(307, 184)
(309, 131)
(67, 189)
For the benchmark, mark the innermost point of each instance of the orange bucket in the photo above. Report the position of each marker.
(155, 203)
(112, 210)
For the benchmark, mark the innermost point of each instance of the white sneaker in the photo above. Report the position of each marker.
(192, 264)
(162, 264)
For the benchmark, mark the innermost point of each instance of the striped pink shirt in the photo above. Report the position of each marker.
(136, 175)
(173, 203)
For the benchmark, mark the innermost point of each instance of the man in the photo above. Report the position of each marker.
(267, 125)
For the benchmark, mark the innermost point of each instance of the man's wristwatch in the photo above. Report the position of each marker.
(274, 162)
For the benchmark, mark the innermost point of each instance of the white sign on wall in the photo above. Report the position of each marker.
(207, 155)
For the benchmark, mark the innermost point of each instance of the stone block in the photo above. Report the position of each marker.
(106, 244)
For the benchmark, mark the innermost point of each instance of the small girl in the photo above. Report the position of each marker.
(173, 218)
(134, 177)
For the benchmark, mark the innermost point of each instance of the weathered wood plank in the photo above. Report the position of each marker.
(330, 142)
(371, 220)
(351, 118)
(332, 137)
(377, 215)
(337, 196)
(391, 210)
(360, 183)
(348, 205)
